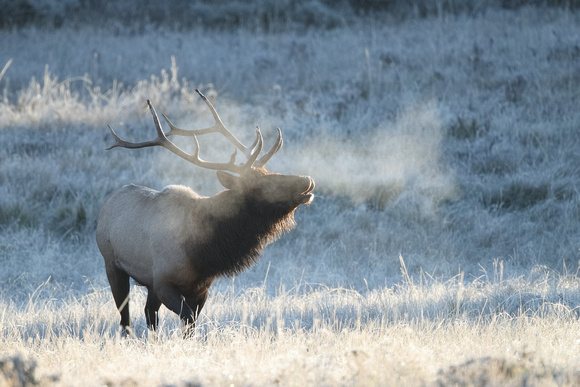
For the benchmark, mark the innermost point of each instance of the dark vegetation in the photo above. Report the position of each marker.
(262, 15)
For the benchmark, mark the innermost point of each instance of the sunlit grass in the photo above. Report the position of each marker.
(412, 334)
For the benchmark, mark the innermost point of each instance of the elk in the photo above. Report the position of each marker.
(176, 242)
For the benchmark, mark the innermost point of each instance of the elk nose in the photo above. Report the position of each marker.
(310, 184)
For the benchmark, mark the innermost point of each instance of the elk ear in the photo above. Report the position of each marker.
(227, 180)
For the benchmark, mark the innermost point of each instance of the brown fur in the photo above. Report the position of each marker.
(238, 239)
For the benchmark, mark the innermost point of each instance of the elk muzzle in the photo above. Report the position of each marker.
(306, 196)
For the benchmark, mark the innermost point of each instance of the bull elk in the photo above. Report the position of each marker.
(176, 242)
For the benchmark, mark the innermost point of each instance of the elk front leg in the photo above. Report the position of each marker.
(196, 302)
(151, 310)
(171, 297)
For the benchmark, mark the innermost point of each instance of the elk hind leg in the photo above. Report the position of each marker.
(120, 287)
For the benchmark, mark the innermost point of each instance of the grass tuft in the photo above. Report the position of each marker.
(464, 129)
(518, 196)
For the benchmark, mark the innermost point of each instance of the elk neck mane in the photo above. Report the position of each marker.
(240, 230)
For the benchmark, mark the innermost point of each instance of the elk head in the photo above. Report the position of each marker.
(252, 178)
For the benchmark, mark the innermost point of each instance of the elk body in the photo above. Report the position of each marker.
(176, 242)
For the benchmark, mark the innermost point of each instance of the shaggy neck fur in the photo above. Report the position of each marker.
(238, 235)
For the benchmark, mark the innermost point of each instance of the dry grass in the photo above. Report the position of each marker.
(412, 335)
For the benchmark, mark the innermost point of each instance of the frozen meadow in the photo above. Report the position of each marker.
(443, 244)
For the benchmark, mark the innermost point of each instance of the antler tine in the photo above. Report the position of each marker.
(175, 131)
(256, 149)
(163, 141)
(218, 127)
(119, 142)
(275, 148)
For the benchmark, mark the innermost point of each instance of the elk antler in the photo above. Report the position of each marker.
(251, 153)
(163, 141)
(264, 159)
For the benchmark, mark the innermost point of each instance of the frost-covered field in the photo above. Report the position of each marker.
(442, 247)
